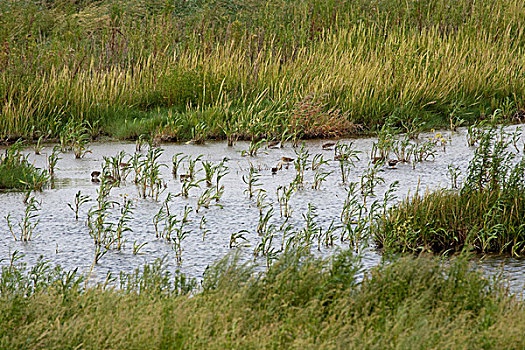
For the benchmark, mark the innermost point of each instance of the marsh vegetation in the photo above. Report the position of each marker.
(299, 300)
(280, 70)
(268, 238)
(16, 172)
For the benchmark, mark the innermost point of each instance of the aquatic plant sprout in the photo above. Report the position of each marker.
(80, 199)
(28, 223)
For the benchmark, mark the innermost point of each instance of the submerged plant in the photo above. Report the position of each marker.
(137, 247)
(180, 234)
(107, 234)
(161, 216)
(346, 156)
(142, 140)
(80, 144)
(300, 164)
(265, 248)
(261, 200)
(202, 226)
(236, 238)
(251, 180)
(28, 224)
(80, 199)
(318, 161)
(453, 174)
(403, 149)
(206, 198)
(310, 232)
(149, 179)
(173, 229)
(327, 237)
(423, 151)
(199, 133)
(385, 142)
(192, 162)
(454, 116)
(253, 148)
(116, 168)
(370, 179)
(38, 145)
(209, 171)
(187, 185)
(222, 171)
(75, 136)
(284, 193)
(287, 237)
(231, 132)
(122, 226)
(262, 226)
(53, 159)
(177, 160)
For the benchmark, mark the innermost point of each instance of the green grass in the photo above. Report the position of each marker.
(256, 67)
(298, 303)
(485, 221)
(486, 215)
(17, 173)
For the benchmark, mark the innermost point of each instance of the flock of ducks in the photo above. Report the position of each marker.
(284, 162)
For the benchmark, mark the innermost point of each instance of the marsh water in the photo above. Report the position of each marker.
(64, 241)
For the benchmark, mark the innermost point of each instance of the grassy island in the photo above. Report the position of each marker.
(487, 214)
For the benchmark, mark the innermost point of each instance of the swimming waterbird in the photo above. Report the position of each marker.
(328, 145)
(94, 176)
(184, 177)
(392, 162)
(274, 144)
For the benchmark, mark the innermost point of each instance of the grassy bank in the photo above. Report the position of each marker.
(411, 303)
(487, 214)
(211, 68)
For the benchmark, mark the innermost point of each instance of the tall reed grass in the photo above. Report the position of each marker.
(133, 67)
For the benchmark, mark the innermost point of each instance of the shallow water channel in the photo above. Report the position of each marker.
(62, 240)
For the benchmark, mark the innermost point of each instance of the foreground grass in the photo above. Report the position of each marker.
(255, 68)
(411, 303)
(486, 215)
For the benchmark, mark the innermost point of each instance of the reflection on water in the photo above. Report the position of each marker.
(62, 240)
